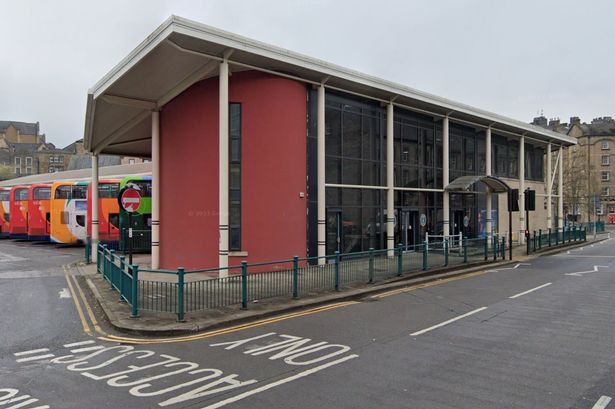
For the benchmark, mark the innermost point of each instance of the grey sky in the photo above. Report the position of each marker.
(510, 57)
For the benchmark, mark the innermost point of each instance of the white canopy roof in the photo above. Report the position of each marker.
(182, 52)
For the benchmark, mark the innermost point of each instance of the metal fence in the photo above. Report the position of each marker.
(180, 292)
(544, 239)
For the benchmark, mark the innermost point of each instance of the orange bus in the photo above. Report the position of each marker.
(69, 206)
(39, 212)
(108, 212)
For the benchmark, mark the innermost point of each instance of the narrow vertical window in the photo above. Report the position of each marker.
(235, 177)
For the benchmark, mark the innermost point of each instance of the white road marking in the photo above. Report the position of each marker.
(414, 334)
(86, 349)
(277, 383)
(64, 293)
(529, 291)
(584, 256)
(35, 358)
(33, 351)
(602, 402)
(580, 273)
(509, 268)
(77, 344)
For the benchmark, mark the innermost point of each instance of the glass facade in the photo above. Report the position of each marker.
(355, 155)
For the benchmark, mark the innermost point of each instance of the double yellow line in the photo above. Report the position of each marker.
(92, 328)
(79, 298)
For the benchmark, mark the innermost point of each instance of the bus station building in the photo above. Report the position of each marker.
(260, 153)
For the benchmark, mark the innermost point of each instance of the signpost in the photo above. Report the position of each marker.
(513, 206)
(130, 201)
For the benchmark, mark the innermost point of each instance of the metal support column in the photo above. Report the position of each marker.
(223, 169)
(320, 175)
(390, 183)
(445, 176)
(560, 190)
(488, 221)
(95, 235)
(522, 190)
(548, 184)
(155, 189)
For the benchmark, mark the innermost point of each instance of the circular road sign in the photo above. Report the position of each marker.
(466, 221)
(130, 200)
(423, 220)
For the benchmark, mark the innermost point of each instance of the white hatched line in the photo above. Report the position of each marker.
(529, 291)
(602, 402)
(35, 358)
(33, 351)
(86, 349)
(77, 344)
(467, 314)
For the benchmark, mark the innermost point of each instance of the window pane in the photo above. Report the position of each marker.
(351, 197)
(351, 135)
(333, 132)
(332, 170)
(351, 172)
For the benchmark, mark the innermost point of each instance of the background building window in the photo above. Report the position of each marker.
(28, 161)
(131, 161)
(234, 177)
(605, 160)
(605, 176)
(605, 191)
(605, 145)
(17, 161)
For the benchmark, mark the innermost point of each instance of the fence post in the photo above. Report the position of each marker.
(112, 267)
(585, 234)
(465, 250)
(445, 252)
(371, 265)
(295, 277)
(539, 238)
(504, 248)
(135, 291)
(425, 250)
(337, 271)
(88, 250)
(104, 261)
(486, 246)
(400, 252)
(549, 237)
(244, 285)
(122, 267)
(181, 307)
(495, 248)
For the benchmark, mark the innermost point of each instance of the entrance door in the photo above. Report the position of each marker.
(334, 231)
(407, 228)
(458, 221)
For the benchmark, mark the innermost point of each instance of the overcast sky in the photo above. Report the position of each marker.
(514, 58)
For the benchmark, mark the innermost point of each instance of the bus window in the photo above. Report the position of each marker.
(5, 195)
(63, 192)
(114, 220)
(80, 192)
(81, 205)
(21, 194)
(80, 218)
(144, 186)
(108, 190)
(42, 193)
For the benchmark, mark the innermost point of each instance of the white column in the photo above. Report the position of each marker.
(223, 169)
(560, 190)
(522, 190)
(94, 185)
(390, 182)
(488, 221)
(549, 200)
(445, 175)
(320, 175)
(155, 189)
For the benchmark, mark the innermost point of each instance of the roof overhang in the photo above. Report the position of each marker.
(182, 52)
(463, 184)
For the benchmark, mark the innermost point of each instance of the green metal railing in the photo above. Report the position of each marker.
(544, 239)
(180, 292)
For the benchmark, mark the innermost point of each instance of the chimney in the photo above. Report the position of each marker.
(540, 121)
(553, 122)
(575, 120)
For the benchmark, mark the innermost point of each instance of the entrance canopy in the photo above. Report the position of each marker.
(464, 183)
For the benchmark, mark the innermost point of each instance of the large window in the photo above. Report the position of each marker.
(42, 193)
(353, 131)
(21, 194)
(235, 177)
(534, 162)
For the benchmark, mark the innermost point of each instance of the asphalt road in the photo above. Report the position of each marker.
(532, 336)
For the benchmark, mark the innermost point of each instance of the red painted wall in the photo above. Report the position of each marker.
(273, 171)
